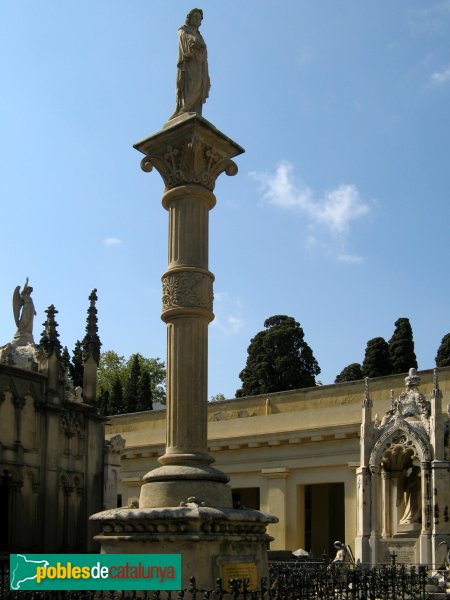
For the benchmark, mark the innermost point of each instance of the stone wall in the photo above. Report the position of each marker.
(51, 465)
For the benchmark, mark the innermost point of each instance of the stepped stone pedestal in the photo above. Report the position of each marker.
(185, 505)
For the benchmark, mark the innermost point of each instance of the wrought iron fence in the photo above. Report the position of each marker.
(288, 581)
(338, 581)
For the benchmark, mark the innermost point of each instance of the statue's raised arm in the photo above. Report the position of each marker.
(193, 82)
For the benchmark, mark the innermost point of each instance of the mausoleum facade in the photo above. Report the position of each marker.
(300, 455)
(51, 439)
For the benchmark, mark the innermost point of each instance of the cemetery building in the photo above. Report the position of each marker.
(364, 462)
(51, 438)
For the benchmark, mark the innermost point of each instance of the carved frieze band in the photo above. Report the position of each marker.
(189, 289)
(190, 161)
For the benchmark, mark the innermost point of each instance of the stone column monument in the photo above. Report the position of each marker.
(185, 505)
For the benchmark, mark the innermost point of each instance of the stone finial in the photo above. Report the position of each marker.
(367, 402)
(91, 341)
(412, 380)
(392, 397)
(435, 379)
(50, 343)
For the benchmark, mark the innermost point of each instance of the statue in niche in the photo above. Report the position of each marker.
(192, 67)
(410, 491)
(24, 312)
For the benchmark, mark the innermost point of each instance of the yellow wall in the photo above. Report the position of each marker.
(277, 442)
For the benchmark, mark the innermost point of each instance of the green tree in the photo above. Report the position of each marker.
(103, 402)
(76, 368)
(278, 359)
(110, 365)
(401, 347)
(113, 365)
(377, 361)
(65, 357)
(116, 403)
(443, 353)
(144, 392)
(351, 372)
(131, 386)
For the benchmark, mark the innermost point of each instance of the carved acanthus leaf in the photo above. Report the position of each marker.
(191, 162)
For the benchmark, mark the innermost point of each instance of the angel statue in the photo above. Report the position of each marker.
(24, 312)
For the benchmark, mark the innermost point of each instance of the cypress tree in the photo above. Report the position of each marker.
(401, 347)
(144, 392)
(377, 361)
(131, 389)
(351, 372)
(65, 357)
(278, 359)
(76, 367)
(116, 404)
(443, 353)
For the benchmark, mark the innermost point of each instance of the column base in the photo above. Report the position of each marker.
(173, 485)
(213, 542)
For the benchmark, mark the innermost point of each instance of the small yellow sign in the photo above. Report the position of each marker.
(240, 571)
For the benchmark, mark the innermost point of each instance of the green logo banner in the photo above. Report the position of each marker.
(95, 571)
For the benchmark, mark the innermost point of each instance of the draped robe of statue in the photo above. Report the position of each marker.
(192, 72)
(411, 488)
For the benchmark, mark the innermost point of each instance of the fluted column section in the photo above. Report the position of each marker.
(187, 310)
(189, 156)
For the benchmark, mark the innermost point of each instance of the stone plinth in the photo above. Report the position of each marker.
(185, 504)
(208, 538)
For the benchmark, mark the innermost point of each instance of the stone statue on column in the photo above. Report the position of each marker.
(186, 505)
(193, 82)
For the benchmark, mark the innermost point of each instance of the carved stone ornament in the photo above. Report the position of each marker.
(189, 151)
(190, 162)
(187, 289)
(401, 437)
(114, 445)
(71, 423)
(411, 404)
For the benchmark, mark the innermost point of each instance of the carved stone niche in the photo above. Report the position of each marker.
(189, 151)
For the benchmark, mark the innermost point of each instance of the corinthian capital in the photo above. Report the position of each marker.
(189, 151)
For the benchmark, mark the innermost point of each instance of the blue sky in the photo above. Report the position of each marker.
(339, 215)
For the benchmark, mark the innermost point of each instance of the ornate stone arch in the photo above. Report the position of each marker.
(401, 434)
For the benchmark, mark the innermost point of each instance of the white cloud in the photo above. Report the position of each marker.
(440, 77)
(227, 313)
(349, 258)
(112, 241)
(235, 323)
(335, 210)
(328, 218)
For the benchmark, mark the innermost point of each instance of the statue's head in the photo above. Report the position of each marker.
(191, 14)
